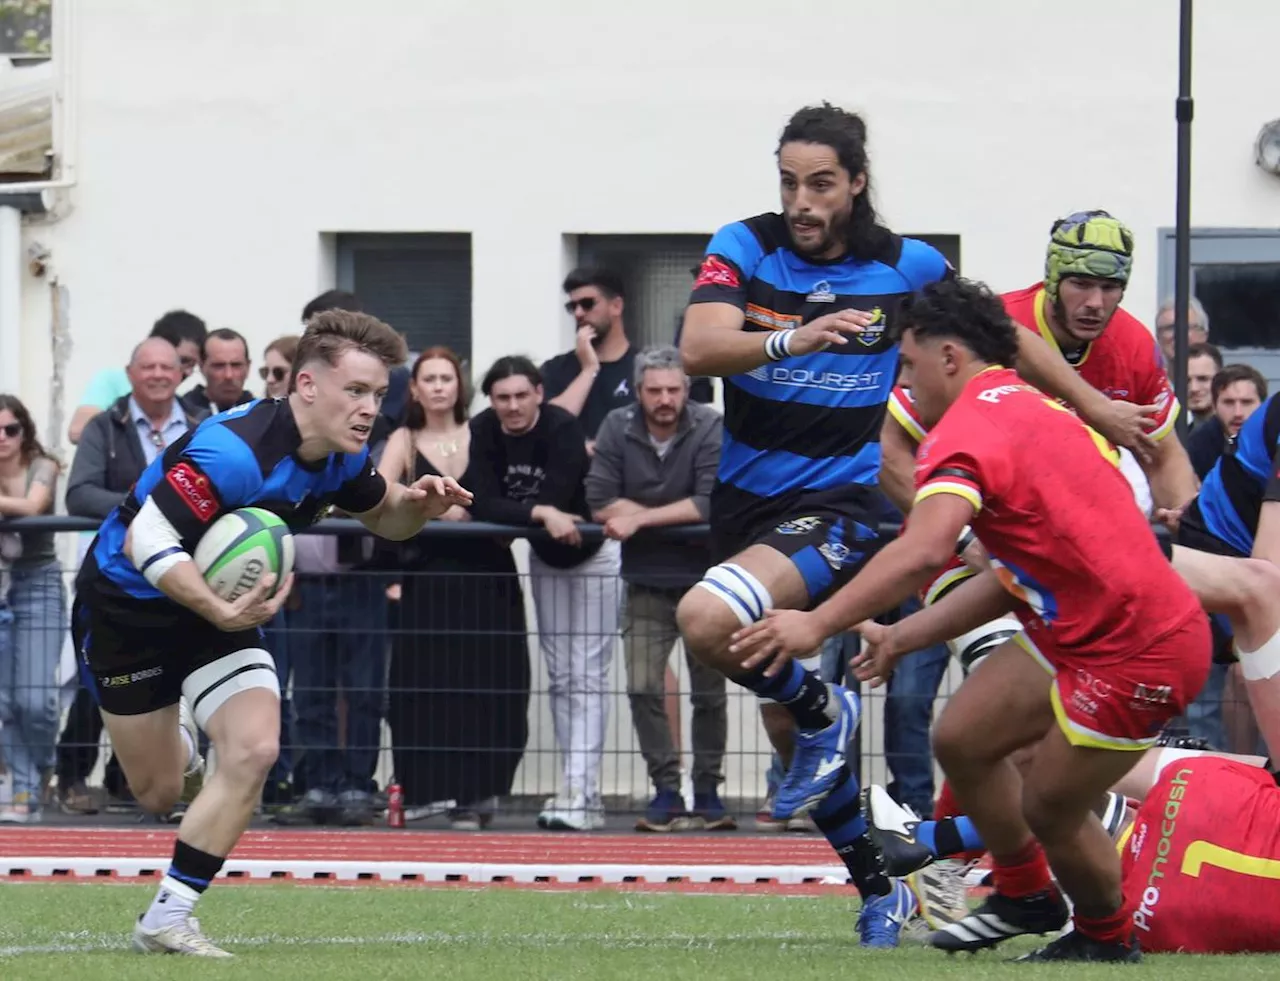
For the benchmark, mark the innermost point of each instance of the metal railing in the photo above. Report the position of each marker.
(442, 678)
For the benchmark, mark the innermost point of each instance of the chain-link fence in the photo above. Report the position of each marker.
(475, 683)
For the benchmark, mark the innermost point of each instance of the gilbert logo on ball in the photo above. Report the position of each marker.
(240, 548)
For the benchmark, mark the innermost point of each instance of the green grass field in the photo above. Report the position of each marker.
(68, 932)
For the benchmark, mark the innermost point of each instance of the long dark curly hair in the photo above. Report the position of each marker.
(31, 448)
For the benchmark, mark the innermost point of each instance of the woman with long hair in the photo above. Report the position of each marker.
(277, 365)
(459, 680)
(32, 613)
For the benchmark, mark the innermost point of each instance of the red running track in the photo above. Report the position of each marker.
(430, 846)
(21, 847)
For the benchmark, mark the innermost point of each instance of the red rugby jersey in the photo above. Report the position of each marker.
(1056, 516)
(1202, 860)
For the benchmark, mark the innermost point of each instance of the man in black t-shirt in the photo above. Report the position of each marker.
(530, 466)
(596, 376)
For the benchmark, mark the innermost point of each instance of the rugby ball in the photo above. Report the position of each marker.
(240, 548)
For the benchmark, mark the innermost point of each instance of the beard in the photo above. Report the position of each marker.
(835, 233)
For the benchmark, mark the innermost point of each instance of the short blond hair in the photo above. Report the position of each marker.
(330, 334)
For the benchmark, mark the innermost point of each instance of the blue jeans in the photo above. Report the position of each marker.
(908, 715)
(277, 640)
(1203, 717)
(32, 626)
(339, 640)
(836, 652)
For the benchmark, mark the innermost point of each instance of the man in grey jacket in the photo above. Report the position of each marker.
(654, 464)
(115, 447)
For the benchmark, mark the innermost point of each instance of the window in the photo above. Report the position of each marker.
(657, 272)
(420, 284)
(1235, 274)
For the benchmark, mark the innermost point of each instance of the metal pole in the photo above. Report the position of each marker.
(11, 263)
(1182, 237)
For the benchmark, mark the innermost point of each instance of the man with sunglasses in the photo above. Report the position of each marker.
(596, 376)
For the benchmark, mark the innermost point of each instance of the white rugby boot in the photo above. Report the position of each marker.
(179, 938)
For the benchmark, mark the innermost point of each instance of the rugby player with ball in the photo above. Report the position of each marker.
(174, 590)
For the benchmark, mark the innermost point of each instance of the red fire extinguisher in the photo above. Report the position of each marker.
(395, 806)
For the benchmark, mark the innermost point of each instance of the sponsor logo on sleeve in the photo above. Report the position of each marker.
(193, 487)
(771, 319)
(716, 272)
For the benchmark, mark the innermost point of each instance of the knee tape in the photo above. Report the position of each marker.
(971, 648)
(208, 687)
(742, 592)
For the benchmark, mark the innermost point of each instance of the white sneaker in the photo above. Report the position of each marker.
(942, 892)
(24, 809)
(182, 938)
(572, 813)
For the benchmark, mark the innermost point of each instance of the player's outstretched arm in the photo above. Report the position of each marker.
(967, 607)
(404, 510)
(712, 341)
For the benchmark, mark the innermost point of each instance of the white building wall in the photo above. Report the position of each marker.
(217, 144)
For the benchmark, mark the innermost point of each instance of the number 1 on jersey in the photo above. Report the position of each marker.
(1202, 853)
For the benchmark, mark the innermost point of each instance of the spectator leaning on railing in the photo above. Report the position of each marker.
(655, 464)
(32, 614)
(531, 461)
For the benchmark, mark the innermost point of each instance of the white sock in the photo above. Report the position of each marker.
(193, 751)
(173, 904)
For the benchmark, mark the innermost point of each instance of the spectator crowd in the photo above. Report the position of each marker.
(430, 635)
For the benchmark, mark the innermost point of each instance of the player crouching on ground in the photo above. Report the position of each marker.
(1114, 643)
(150, 631)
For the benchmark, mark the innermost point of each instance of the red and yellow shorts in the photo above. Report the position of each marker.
(1123, 703)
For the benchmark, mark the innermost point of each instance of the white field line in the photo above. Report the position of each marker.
(82, 943)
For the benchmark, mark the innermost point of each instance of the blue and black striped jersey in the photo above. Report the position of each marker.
(244, 457)
(800, 431)
(1247, 474)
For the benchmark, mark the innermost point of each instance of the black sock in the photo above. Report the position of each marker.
(840, 818)
(946, 838)
(805, 695)
(192, 867)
